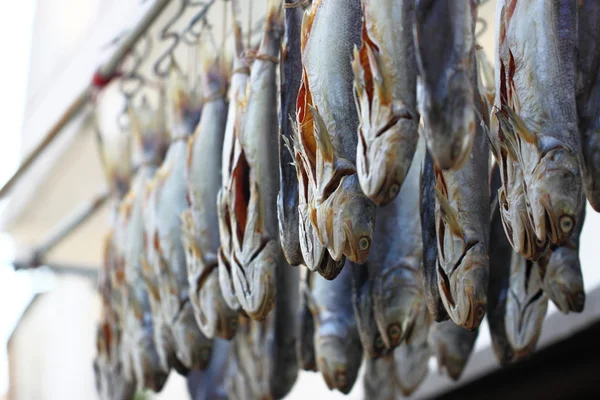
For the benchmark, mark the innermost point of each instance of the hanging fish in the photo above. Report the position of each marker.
(255, 179)
(396, 259)
(151, 141)
(331, 201)
(412, 356)
(385, 79)
(305, 345)
(431, 292)
(588, 97)
(537, 113)
(452, 346)
(337, 343)
(231, 152)
(192, 348)
(290, 76)
(210, 383)
(563, 279)
(200, 233)
(444, 34)
(462, 228)
(378, 380)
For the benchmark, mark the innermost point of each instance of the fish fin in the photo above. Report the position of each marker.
(520, 128)
(508, 141)
(322, 136)
(448, 214)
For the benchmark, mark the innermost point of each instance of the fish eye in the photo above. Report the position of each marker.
(378, 342)
(394, 189)
(364, 243)
(566, 224)
(394, 331)
(479, 312)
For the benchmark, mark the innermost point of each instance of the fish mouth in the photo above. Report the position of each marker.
(339, 362)
(191, 347)
(565, 297)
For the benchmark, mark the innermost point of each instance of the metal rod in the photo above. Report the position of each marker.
(68, 224)
(104, 74)
(90, 272)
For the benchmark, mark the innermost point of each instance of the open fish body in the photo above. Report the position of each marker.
(337, 343)
(462, 228)
(385, 79)
(562, 276)
(255, 180)
(452, 346)
(291, 75)
(412, 356)
(326, 140)
(200, 235)
(588, 97)
(526, 306)
(538, 111)
(378, 380)
(431, 292)
(444, 33)
(231, 153)
(396, 259)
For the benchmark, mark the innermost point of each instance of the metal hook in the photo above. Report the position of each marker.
(132, 82)
(194, 22)
(164, 35)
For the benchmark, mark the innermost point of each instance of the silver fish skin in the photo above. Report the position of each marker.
(444, 34)
(538, 64)
(412, 356)
(431, 292)
(526, 306)
(231, 152)
(452, 346)
(291, 75)
(385, 79)
(200, 233)
(337, 343)
(500, 260)
(255, 183)
(563, 279)
(588, 97)
(326, 136)
(463, 225)
(210, 383)
(396, 259)
(362, 301)
(378, 381)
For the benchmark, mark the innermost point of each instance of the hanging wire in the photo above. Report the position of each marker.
(482, 23)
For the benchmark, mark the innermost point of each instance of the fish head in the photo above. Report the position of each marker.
(149, 372)
(555, 196)
(449, 118)
(563, 282)
(149, 131)
(464, 292)
(452, 346)
(357, 219)
(184, 105)
(383, 164)
(192, 348)
(339, 355)
(397, 303)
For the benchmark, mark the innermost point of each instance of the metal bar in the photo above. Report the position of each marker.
(68, 224)
(90, 272)
(104, 74)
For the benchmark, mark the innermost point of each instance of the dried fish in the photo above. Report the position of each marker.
(563, 280)
(200, 234)
(462, 228)
(337, 343)
(537, 110)
(588, 97)
(444, 34)
(362, 301)
(452, 346)
(305, 345)
(378, 381)
(325, 140)
(385, 78)
(500, 260)
(412, 356)
(210, 383)
(191, 347)
(431, 292)
(255, 180)
(290, 75)
(526, 306)
(151, 140)
(231, 152)
(396, 259)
